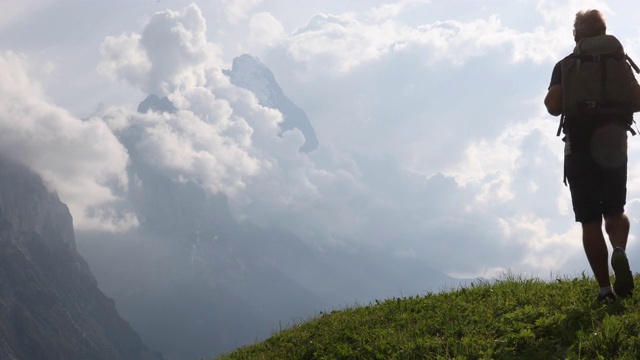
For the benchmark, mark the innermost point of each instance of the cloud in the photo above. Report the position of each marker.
(392, 10)
(210, 140)
(561, 13)
(447, 102)
(220, 136)
(236, 10)
(338, 44)
(265, 30)
(515, 180)
(125, 59)
(14, 11)
(172, 51)
(434, 142)
(81, 160)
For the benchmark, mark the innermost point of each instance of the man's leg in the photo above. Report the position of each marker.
(585, 187)
(616, 223)
(596, 249)
(617, 227)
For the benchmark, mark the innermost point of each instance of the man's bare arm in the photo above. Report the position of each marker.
(553, 100)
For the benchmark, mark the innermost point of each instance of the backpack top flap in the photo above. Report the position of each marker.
(596, 79)
(599, 45)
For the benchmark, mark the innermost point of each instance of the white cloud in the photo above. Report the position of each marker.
(125, 59)
(545, 250)
(81, 160)
(392, 10)
(14, 11)
(236, 10)
(171, 52)
(340, 43)
(561, 13)
(209, 140)
(429, 140)
(265, 30)
(464, 116)
(220, 136)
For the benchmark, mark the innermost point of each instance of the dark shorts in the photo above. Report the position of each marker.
(596, 190)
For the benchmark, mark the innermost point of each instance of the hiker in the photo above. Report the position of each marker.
(596, 93)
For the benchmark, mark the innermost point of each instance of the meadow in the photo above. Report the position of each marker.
(510, 318)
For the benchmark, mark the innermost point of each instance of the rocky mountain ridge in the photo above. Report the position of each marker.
(250, 73)
(50, 304)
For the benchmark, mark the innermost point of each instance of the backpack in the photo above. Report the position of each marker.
(596, 81)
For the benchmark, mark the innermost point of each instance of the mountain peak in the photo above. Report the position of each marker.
(155, 103)
(250, 73)
(248, 61)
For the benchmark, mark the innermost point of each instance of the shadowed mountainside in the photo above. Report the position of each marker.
(50, 304)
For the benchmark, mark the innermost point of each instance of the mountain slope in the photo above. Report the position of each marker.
(510, 319)
(50, 305)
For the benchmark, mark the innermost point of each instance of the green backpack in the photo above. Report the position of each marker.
(596, 81)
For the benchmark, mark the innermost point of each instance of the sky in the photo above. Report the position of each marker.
(434, 141)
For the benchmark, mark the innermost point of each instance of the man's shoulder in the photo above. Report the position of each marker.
(564, 59)
(557, 70)
(568, 57)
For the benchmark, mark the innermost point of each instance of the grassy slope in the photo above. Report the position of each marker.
(510, 319)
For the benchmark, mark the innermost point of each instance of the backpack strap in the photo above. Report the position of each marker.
(561, 125)
(633, 64)
(630, 128)
(637, 70)
(600, 57)
(591, 106)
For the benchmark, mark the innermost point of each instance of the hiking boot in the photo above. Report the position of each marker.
(606, 298)
(623, 285)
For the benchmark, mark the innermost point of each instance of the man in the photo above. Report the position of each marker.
(596, 154)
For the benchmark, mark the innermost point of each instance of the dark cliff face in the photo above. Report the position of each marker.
(50, 304)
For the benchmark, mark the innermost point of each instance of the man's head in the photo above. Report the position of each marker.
(588, 23)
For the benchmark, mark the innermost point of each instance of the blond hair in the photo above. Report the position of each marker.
(589, 23)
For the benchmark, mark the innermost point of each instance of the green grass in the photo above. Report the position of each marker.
(512, 318)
